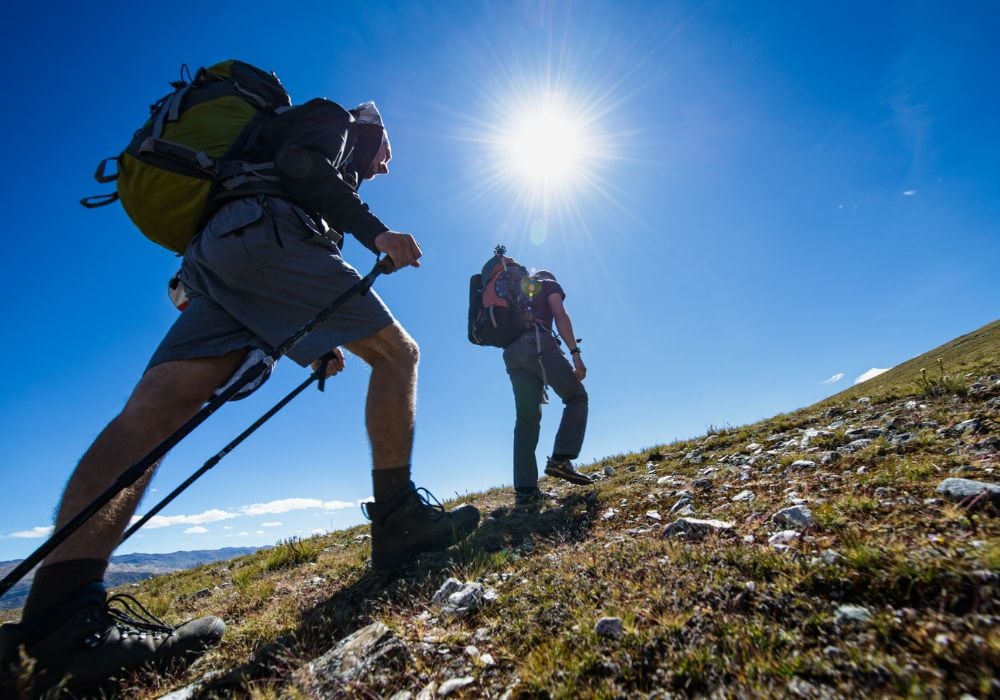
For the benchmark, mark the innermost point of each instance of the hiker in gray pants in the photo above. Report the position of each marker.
(533, 361)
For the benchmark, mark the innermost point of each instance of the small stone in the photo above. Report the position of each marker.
(681, 502)
(942, 640)
(795, 517)
(609, 514)
(370, 649)
(802, 464)
(487, 660)
(451, 685)
(744, 495)
(910, 405)
(665, 480)
(654, 515)
(695, 529)
(969, 426)
(864, 400)
(829, 457)
(610, 627)
(857, 445)
(961, 489)
(609, 470)
(831, 556)
(447, 588)
(783, 537)
(852, 614)
(467, 599)
(472, 651)
(702, 484)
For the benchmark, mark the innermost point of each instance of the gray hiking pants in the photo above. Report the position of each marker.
(522, 360)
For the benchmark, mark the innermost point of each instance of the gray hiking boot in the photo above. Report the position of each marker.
(414, 522)
(85, 644)
(563, 469)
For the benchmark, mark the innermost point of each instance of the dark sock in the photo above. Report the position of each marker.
(388, 482)
(560, 458)
(54, 584)
(526, 489)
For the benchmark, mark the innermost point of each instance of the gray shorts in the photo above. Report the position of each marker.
(259, 271)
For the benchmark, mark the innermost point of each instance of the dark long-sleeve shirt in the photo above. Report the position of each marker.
(317, 149)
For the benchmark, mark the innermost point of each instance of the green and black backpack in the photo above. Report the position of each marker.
(500, 299)
(188, 149)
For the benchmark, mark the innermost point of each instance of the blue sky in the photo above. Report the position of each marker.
(771, 194)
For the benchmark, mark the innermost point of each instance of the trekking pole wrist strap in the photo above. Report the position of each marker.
(575, 351)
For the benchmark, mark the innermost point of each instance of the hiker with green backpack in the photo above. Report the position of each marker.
(257, 195)
(511, 308)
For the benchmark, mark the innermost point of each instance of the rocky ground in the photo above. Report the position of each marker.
(846, 550)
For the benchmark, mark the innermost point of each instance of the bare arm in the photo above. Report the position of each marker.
(565, 328)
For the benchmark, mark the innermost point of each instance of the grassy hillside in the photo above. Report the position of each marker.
(972, 353)
(885, 588)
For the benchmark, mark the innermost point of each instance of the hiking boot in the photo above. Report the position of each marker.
(563, 469)
(531, 500)
(91, 640)
(410, 524)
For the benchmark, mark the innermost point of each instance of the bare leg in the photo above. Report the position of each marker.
(167, 396)
(390, 412)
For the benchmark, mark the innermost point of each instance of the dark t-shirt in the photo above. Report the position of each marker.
(540, 302)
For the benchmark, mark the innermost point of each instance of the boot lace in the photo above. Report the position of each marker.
(132, 618)
(436, 509)
(428, 502)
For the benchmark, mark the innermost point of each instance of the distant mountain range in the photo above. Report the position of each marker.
(129, 568)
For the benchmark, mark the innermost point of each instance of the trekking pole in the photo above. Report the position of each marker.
(137, 470)
(319, 374)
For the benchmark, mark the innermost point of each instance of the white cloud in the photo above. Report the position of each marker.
(286, 505)
(259, 532)
(909, 193)
(227, 527)
(834, 379)
(873, 372)
(244, 534)
(196, 530)
(33, 532)
(283, 505)
(209, 516)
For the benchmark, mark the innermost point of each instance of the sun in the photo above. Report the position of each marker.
(547, 144)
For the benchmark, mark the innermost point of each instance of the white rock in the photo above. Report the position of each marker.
(447, 588)
(653, 515)
(783, 537)
(450, 686)
(744, 495)
(609, 514)
(796, 517)
(802, 464)
(696, 529)
(487, 660)
(850, 614)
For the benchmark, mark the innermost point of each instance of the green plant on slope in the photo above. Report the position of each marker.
(942, 385)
